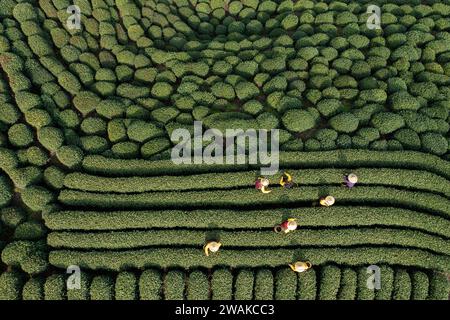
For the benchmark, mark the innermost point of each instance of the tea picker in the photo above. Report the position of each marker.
(286, 180)
(212, 246)
(287, 226)
(262, 184)
(300, 266)
(327, 201)
(350, 180)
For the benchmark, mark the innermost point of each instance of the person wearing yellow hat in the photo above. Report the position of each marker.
(262, 184)
(327, 201)
(286, 180)
(212, 246)
(287, 226)
(300, 266)
(350, 180)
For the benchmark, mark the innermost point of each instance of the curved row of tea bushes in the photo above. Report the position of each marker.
(288, 160)
(244, 198)
(226, 219)
(410, 179)
(188, 257)
(304, 237)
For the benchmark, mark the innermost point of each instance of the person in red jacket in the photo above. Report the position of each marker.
(262, 184)
(287, 226)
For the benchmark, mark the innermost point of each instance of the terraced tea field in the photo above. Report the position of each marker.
(86, 123)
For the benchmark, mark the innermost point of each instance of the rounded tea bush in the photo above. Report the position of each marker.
(37, 156)
(5, 191)
(141, 131)
(23, 12)
(70, 156)
(222, 68)
(9, 114)
(408, 138)
(11, 284)
(253, 107)
(51, 138)
(33, 289)
(86, 101)
(93, 144)
(93, 125)
(289, 22)
(223, 90)
(276, 84)
(36, 198)
(20, 135)
(154, 147)
(8, 159)
(162, 90)
(165, 114)
(344, 141)
(246, 90)
(434, 143)
(68, 118)
(387, 122)
(396, 84)
(54, 177)
(328, 107)
(28, 255)
(38, 118)
(402, 100)
(12, 216)
(25, 176)
(110, 108)
(298, 120)
(344, 122)
(247, 68)
(126, 149)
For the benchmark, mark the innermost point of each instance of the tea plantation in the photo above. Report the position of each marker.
(87, 114)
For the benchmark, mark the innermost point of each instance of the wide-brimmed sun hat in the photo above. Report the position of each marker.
(330, 200)
(292, 225)
(353, 178)
(214, 246)
(299, 265)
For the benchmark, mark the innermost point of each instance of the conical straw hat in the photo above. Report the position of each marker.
(214, 246)
(330, 200)
(300, 266)
(353, 178)
(292, 225)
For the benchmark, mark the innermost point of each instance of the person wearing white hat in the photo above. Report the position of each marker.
(300, 266)
(262, 184)
(327, 201)
(350, 180)
(287, 226)
(212, 246)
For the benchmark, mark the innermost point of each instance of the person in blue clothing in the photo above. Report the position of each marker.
(350, 180)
